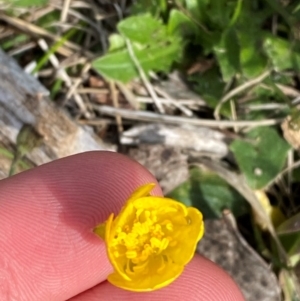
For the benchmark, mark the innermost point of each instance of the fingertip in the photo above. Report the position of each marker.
(202, 280)
(56, 206)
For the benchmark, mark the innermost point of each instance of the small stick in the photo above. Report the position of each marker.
(64, 12)
(154, 117)
(238, 90)
(114, 96)
(144, 77)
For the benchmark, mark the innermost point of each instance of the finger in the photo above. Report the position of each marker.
(201, 280)
(48, 250)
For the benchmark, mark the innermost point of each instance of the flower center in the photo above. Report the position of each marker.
(146, 236)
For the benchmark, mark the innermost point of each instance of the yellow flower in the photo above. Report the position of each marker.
(150, 241)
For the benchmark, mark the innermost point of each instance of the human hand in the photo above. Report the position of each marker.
(48, 250)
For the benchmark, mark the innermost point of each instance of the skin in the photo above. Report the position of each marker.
(48, 249)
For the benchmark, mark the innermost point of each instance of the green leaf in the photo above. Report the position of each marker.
(28, 139)
(178, 21)
(193, 4)
(10, 155)
(119, 66)
(196, 7)
(210, 194)
(237, 13)
(261, 159)
(209, 84)
(253, 62)
(53, 49)
(27, 3)
(155, 7)
(154, 48)
(47, 20)
(228, 54)
(116, 42)
(142, 29)
(219, 12)
(281, 54)
(14, 41)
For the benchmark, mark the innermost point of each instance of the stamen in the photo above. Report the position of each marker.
(131, 254)
(145, 238)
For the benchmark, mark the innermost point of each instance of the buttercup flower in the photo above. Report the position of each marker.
(150, 241)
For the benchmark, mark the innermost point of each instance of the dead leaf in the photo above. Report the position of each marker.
(291, 133)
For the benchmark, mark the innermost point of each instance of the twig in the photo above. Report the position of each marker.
(78, 81)
(118, 10)
(92, 90)
(24, 26)
(114, 96)
(174, 102)
(64, 12)
(144, 77)
(233, 114)
(296, 100)
(266, 106)
(38, 13)
(238, 90)
(85, 19)
(130, 97)
(154, 117)
(290, 161)
(290, 91)
(186, 102)
(22, 48)
(61, 73)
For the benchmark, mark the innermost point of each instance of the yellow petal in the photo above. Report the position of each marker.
(149, 282)
(108, 226)
(187, 237)
(161, 203)
(150, 240)
(126, 211)
(112, 258)
(101, 229)
(144, 190)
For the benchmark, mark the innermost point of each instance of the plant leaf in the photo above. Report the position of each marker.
(154, 48)
(281, 53)
(261, 159)
(228, 54)
(142, 29)
(27, 3)
(210, 194)
(178, 21)
(116, 42)
(119, 66)
(155, 7)
(253, 62)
